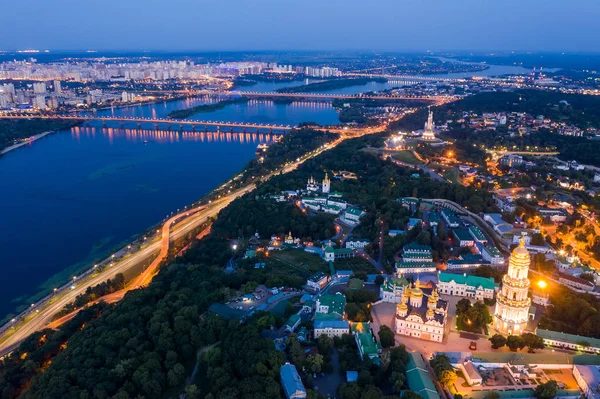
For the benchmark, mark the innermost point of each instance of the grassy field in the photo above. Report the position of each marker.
(357, 265)
(406, 157)
(301, 260)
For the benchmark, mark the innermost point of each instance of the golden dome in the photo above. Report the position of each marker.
(416, 293)
(521, 251)
(429, 314)
(402, 306)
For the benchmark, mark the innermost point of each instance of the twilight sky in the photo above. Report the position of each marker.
(536, 25)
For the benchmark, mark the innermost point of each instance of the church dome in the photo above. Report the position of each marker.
(521, 251)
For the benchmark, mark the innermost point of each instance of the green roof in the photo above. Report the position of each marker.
(316, 277)
(335, 302)
(434, 217)
(342, 251)
(478, 234)
(365, 338)
(409, 265)
(535, 358)
(569, 338)
(418, 378)
(492, 250)
(471, 281)
(462, 235)
(354, 211)
(413, 246)
(392, 282)
(412, 255)
(335, 194)
(292, 320)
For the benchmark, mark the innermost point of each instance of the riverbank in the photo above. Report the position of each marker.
(330, 85)
(25, 142)
(184, 113)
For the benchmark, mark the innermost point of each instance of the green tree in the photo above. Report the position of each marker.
(325, 345)
(532, 342)
(408, 394)
(514, 342)
(386, 336)
(546, 390)
(447, 377)
(498, 341)
(315, 363)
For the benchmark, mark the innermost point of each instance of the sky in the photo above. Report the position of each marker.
(394, 25)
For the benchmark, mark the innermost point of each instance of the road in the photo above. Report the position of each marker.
(193, 218)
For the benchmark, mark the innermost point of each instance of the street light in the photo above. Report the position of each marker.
(542, 284)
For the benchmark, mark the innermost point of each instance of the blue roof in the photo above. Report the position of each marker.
(331, 324)
(351, 376)
(290, 379)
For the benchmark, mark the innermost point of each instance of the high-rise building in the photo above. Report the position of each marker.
(39, 102)
(39, 88)
(513, 302)
(57, 87)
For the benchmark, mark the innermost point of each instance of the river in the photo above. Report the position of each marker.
(72, 197)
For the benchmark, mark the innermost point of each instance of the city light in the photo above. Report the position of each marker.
(542, 284)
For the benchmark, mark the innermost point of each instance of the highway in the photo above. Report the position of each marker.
(184, 222)
(193, 218)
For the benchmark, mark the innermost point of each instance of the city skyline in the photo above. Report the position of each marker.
(269, 25)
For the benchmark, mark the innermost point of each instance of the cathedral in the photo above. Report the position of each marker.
(513, 302)
(420, 315)
(313, 186)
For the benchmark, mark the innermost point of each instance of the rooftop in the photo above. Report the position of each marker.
(569, 338)
(418, 377)
(471, 281)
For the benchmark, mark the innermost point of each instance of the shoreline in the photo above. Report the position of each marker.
(28, 141)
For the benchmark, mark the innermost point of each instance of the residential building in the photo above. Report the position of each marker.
(332, 305)
(588, 379)
(471, 374)
(291, 382)
(491, 254)
(465, 285)
(407, 268)
(419, 317)
(418, 378)
(331, 328)
(356, 243)
(463, 238)
(576, 282)
(558, 215)
(352, 216)
(331, 254)
(450, 218)
(317, 281)
(497, 223)
(512, 302)
(365, 340)
(292, 323)
(478, 235)
(555, 339)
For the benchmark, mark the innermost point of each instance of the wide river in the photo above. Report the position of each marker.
(72, 197)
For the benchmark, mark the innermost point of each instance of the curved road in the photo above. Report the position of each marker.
(199, 215)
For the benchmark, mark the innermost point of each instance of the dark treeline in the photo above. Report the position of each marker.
(581, 110)
(15, 130)
(184, 113)
(244, 218)
(36, 352)
(572, 313)
(330, 85)
(148, 344)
